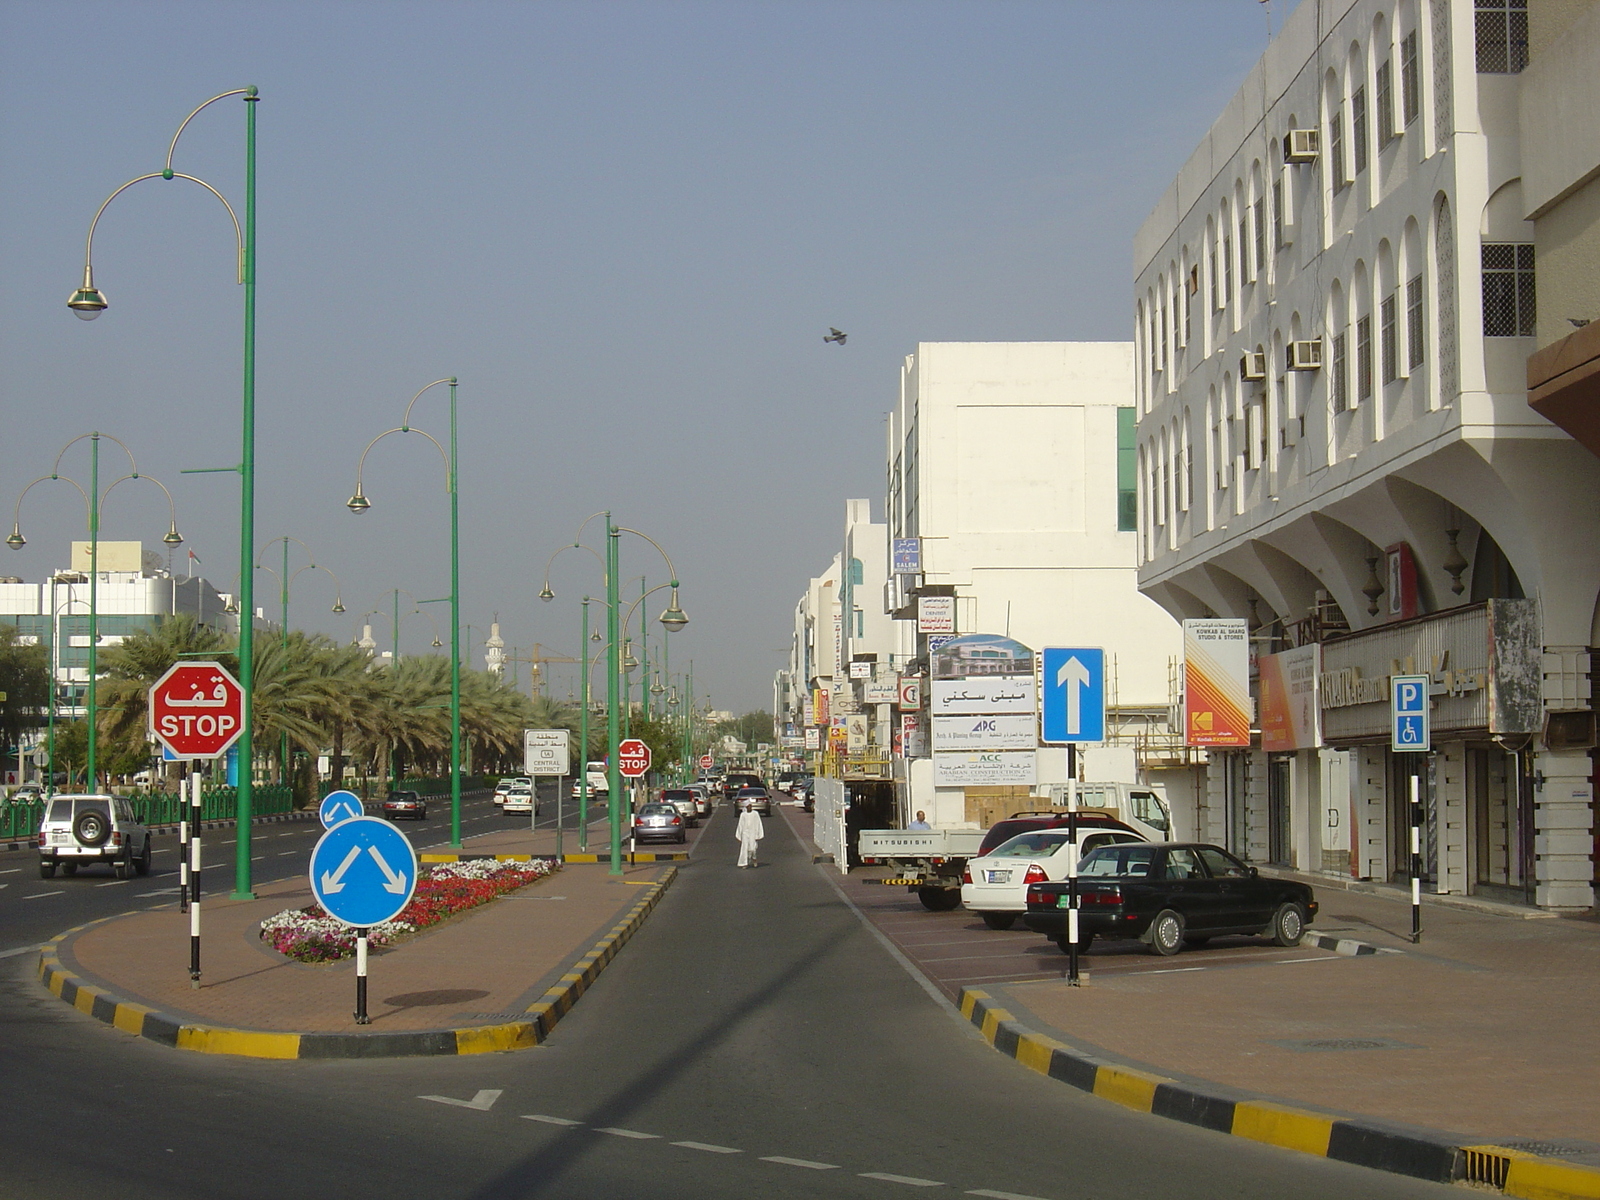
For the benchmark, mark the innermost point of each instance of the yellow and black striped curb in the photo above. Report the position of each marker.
(1401, 1150)
(528, 1030)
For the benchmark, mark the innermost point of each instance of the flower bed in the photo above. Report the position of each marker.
(310, 935)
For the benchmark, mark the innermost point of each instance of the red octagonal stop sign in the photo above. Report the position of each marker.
(633, 758)
(197, 710)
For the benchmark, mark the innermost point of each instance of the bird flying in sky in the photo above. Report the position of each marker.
(835, 336)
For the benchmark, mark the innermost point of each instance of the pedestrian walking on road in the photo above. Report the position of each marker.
(749, 831)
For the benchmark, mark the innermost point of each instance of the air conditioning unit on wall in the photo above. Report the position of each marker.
(1253, 366)
(1305, 356)
(1302, 145)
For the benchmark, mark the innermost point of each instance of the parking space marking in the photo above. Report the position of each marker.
(707, 1146)
(42, 895)
(909, 1180)
(549, 1120)
(627, 1133)
(799, 1162)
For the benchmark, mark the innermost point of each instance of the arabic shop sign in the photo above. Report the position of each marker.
(997, 694)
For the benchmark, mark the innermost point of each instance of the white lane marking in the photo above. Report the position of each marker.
(912, 1180)
(42, 895)
(799, 1162)
(549, 1120)
(993, 1195)
(1318, 958)
(1168, 971)
(482, 1102)
(707, 1146)
(12, 871)
(18, 950)
(259, 858)
(628, 1133)
(283, 854)
(114, 883)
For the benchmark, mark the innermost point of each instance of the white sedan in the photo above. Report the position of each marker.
(996, 885)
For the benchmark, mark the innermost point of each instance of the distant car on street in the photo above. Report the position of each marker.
(1171, 894)
(657, 822)
(520, 798)
(758, 797)
(702, 800)
(405, 804)
(995, 885)
(78, 831)
(683, 800)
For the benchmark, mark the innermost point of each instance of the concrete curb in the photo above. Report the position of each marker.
(540, 1017)
(1398, 1149)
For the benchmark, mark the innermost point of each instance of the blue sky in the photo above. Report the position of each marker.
(624, 226)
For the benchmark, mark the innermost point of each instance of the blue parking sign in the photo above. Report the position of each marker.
(1409, 726)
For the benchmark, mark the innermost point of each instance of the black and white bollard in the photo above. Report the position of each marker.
(1416, 860)
(183, 846)
(194, 880)
(361, 978)
(1072, 883)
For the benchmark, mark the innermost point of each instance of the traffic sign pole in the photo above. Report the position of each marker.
(183, 842)
(1416, 859)
(361, 979)
(194, 879)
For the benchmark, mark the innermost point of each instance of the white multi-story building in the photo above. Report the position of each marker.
(1334, 309)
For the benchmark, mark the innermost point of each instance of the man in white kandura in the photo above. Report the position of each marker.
(748, 831)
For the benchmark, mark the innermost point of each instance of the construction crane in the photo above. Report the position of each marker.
(536, 659)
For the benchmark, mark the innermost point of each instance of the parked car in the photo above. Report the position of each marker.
(519, 799)
(759, 797)
(804, 790)
(658, 823)
(702, 800)
(995, 885)
(27, 793)
(405, 804)
(1171, 894)
(81, 830)
(1028, 822)
(681, 799)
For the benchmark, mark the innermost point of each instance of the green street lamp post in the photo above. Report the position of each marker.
(88, 302)
(285, 580)
(359, 503)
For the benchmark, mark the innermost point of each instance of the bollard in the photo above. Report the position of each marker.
(194, 881)
(1416, 860)
(361, 979)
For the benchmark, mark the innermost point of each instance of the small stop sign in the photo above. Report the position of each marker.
(633, 758)
(197, 710)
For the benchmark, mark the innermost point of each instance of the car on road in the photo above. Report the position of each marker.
(79, 831)
(702, 800)
(804, 790)
(405, 804)
(683, 800)
(732, 782)
(1028, 822)
(656, 822)
(27, 793)
(1169, 895)
(995, 885)
(520, 799)
(758, 797)
(500, 791)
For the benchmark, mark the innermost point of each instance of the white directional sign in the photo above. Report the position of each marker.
(544, 751)
(363, 871)
(339, 806)
(1408, 713)
(1073, 706)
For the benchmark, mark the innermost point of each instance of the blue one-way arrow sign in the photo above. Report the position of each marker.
(363, 871)
(1072, 705)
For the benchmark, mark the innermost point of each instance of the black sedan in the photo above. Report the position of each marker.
(405, 804)
(1168, 894)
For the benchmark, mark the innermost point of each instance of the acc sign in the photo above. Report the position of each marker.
(197, 710)
(633, 758)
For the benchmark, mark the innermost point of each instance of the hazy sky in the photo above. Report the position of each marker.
(624, 226)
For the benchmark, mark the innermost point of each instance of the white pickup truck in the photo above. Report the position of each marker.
(930, 860)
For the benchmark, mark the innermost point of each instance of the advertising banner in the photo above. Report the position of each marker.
(994, 694)
(819, 706)
(860, 670)
(1216, 693)
(1291, 710)
(882, 691)
(987, 732)
(975, 654)
(936, 614)
(813, 738)
(906, 556)
(981, 767)
(837, 735)
(855, 726)
(913, 735)
(911, 692)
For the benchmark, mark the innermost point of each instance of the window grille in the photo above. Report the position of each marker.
(1414, 347)
(1341, 373)
(1508, 295)
(1502, 29)
(1358, 127)
(1385, 104)
(1363, 358)
(1155, 344)
(1213, 278)
(1163, 332)
(1336, 146)
(1227, 267)
(1188, 473)
(1389, 334)
(1246, 275)
(1410, 83)
(1277, 213)
(1261, 233)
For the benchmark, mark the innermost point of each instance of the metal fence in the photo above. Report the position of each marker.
(159, 808)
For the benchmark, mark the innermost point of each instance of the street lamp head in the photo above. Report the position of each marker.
(546, 594)
(674, 618)
(358, 503)
(173, 537)
(595, 636)
(88, 302)
(338, 604)
(630, 664)
(437, 642)
(16, 541)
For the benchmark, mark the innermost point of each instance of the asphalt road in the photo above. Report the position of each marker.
(754, 1039)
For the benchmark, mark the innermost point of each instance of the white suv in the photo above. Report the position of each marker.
(78, 830)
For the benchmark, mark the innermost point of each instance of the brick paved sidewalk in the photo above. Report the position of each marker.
(1487, 1028)
(477, 969)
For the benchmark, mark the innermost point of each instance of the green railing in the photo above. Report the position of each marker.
(20, 820)
(158, 808)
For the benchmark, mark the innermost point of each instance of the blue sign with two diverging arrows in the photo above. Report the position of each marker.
(1072, 704)
(339, 806)
(363, 871)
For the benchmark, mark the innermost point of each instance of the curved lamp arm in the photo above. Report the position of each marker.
(406, 420)
(359, 502)
(16, 541)
(249, 92)
(673, 618)
(286, 537)
(545, 593)
(173, 537)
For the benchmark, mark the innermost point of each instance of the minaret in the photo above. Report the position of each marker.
(368, 642)
(494, 657)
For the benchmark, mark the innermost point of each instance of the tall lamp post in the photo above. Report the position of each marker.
(285, 580)
(88, 303)
(359, 503)
(94, 500)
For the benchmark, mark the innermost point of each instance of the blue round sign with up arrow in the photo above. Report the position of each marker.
(363, 871)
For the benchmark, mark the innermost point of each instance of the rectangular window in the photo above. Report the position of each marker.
(1358, 127)
(1508, 308)
(1336, 147)
(1502, 32)
(1261, 234)
(1189, 290)
(1414, 348)
(1410, 81)
(1227, 267)
(1340, 380)
(1277, 213)
(1214, 304)
(1188, 472)
(1246, 275)
(1163, 332)
(1363, 358)
(1385, 104)
(1155, 345)
(1389, 335)
(1127, 472)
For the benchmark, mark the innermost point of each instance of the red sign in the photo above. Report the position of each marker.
(633, 758)
(197, 710)
(707, 762)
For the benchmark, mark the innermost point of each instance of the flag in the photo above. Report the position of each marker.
(194, 556)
